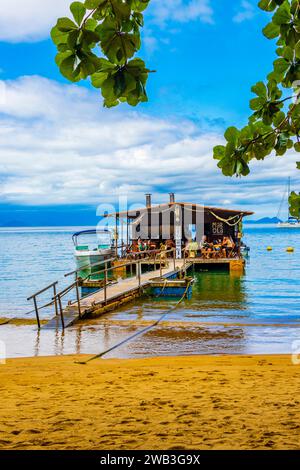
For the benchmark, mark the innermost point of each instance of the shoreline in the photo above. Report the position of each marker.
(21, 321)
(181, 402)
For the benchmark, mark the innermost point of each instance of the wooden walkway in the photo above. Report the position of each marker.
(116, 294)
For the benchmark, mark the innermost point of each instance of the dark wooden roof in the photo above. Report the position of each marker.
(132, 214)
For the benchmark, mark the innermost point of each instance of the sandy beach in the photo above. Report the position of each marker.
(196, 402)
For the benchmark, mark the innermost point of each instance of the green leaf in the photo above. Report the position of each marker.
(282, 14)
(232, 135)
(271, 31)
(294, 201)
(92, 4)
(58, 37)
(78, 11)
(65, 25)
(267, 5)
(260, 89)
(219, 152)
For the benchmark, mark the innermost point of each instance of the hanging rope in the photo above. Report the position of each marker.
(228, 221)
(138, 333)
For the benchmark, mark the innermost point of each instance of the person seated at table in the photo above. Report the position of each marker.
(192, 248)
(170, 244)
(153, 245)
(227, 245)
(205, 247)
(163, 249)
(217, 247)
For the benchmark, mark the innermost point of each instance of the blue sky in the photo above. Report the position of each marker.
(60, 148)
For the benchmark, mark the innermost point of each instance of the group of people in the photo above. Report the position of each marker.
(147, 247)
(217, 248)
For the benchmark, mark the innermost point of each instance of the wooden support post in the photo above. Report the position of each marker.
(37, 313)
(61, 313)
(55, 299)
(131, 270)
(139, 267)
(78, 296)
(105, 284)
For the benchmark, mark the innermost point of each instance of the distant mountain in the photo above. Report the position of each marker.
(265, 220)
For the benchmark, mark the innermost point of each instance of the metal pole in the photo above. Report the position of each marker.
(55, 299)
(78, 296)
(105, 284)
(37, 312)
(117, 236)
(174, 258)
(160, 268)
(61, 313)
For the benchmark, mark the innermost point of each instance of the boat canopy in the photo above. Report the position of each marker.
(89, 232)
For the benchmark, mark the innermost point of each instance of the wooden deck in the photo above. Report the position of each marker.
(116, 294)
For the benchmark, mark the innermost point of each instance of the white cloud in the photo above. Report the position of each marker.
(58, 146)
(247, 12)
(180, 11)
(31, 20)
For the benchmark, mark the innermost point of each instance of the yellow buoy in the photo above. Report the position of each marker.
(290, 249)
(269, 248)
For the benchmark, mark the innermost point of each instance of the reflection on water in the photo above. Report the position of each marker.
(166, 339)
(254, 313)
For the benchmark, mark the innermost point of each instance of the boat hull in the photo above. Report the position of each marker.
(85, 261)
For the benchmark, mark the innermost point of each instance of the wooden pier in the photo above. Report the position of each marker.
(113, 295)
(129, 282)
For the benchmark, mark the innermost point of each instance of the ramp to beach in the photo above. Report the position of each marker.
(105, 300)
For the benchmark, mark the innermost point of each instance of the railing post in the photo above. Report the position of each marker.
(105, 284)
(139, 266)
(174, 258)
(37, 312)
(61, 313)
(78, 296)
(55, 299)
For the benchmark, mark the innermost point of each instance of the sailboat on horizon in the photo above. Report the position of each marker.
(291, 222)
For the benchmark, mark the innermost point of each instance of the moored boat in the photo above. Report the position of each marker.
(88, 256)
(291, 222)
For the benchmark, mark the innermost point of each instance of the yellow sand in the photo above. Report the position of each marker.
(200, 402)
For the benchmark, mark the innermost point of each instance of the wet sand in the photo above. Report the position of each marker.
(196, 402)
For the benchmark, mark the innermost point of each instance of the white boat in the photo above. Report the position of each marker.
(87, 255)
(291, 222)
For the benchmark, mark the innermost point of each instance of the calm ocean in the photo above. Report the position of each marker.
(256, 313)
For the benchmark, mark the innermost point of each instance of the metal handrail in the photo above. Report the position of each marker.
(57, 297)
(43, 290)
(89, 266)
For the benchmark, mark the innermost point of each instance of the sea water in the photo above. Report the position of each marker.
(258, 312)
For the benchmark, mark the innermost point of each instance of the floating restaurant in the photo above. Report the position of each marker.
(147, 249)
(199, 232)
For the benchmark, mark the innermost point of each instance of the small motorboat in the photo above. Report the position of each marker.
(88, 255)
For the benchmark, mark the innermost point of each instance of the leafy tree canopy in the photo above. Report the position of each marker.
(100, 41)
(275, 122)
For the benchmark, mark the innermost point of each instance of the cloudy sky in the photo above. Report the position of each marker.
(59, 148)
